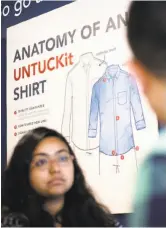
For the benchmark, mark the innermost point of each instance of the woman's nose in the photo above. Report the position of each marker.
(54, 166)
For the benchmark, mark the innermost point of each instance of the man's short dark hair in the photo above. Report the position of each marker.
(147, 34)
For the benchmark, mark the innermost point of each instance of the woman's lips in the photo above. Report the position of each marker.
(56, 181)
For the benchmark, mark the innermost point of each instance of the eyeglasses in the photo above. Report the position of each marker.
(42, 162)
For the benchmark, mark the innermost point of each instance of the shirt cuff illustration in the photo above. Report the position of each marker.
(140, 125)
(92, 133)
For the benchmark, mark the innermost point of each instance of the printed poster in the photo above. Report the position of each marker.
(67, 70)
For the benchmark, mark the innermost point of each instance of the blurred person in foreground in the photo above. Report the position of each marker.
(43, 186)
(146, 33)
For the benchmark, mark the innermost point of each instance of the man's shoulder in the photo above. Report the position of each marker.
(155, 162)
(150, 196)
(160, 147)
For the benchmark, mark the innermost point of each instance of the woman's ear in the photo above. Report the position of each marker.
(141, 74)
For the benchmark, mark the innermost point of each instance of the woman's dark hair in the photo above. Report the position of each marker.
(23, 204)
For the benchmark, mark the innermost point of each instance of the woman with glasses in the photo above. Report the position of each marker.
(43, 186)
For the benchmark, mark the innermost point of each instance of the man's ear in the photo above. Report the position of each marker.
(141, 73)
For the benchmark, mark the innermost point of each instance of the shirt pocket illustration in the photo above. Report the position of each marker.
(122, 98)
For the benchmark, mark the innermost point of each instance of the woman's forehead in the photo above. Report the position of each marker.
(51, 145)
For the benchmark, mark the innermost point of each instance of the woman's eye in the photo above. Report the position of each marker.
(41, 162)
(64, 158)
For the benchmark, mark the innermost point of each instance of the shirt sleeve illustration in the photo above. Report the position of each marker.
(136, 105)
(93, 114)
(113, 97)
(67, 109)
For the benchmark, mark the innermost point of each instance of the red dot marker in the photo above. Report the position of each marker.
(137, 148)
(15, 127)
(15, 134)
(122, 157)
(15, 113)
(113, 152)
(117, 118)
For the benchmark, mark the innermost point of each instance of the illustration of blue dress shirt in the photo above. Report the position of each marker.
(113, 97)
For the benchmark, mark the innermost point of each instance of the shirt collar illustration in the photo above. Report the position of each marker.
(86, 59)
(112, 72)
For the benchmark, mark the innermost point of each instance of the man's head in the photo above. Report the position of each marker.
(146, 33)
